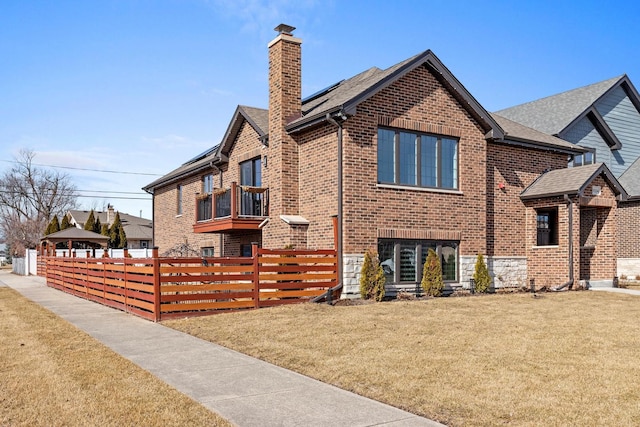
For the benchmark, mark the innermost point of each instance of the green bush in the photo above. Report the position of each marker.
(481, 275)
(53, 227)
(91, 222)
(117, 236)
(432, 282)
(372, 278)
(65, 222)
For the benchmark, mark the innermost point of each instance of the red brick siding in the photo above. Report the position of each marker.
(514, 168)
(549, 265)
(628, 233)
(319, 183)
(284, 104)
(172, 230)
(419, 98)
(600, 261)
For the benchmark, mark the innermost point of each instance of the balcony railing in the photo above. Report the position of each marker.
(237, 202)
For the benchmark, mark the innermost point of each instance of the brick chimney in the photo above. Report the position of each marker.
(285, 90)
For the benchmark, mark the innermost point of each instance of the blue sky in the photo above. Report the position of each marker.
(140, 86)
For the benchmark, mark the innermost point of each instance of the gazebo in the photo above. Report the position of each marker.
(78, 235)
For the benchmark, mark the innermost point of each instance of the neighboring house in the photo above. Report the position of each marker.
(408, 160)
(604, 118)
(139, 231)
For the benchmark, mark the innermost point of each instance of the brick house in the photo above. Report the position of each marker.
(408, 160)
(604, 118)
(139, 231)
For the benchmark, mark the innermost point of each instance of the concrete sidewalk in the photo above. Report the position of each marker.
(617, 290)
(244, 390)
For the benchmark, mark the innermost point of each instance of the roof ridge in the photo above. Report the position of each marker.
(581, 88)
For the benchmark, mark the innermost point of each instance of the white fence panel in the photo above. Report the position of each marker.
(18, 266)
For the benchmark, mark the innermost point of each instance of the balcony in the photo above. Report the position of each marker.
(234, 209)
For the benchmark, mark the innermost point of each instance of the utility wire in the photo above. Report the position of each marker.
(87, 170)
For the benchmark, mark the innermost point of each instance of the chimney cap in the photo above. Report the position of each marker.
(285, 29)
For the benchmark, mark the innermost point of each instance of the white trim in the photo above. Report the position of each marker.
(294, 219)
(287, 37)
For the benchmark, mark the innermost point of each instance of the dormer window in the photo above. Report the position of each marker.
(588, 158)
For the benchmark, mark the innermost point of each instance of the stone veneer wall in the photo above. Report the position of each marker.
(351, 266)
(505, 272)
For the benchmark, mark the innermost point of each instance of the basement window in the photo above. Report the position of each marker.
(547, 227)
(208, 251)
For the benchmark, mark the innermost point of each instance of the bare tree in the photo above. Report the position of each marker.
(29, 197)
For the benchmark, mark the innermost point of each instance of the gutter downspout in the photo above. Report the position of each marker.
(153, 217)
(569, 284)
(340, 194)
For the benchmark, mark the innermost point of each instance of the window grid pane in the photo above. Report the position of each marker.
(386, 155)
(407, 167)
(429, 161)
(449, 260)
(385, 254)
(408, 262)
(449, 173)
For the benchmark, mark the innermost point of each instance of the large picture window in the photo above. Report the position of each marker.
(403, 260)
(409, 158)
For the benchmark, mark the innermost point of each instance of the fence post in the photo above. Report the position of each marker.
(125, 252)
(86, 276)
(256, 275)
(156, 284)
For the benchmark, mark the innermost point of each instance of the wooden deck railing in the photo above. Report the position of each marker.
(162, 288)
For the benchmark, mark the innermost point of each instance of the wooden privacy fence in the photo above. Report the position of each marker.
(163, 288)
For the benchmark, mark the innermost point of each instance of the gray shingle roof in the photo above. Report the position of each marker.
(136, 228)
(569, 181)
(630, 180)
(348, 89)
(191, 166)
(518, 132)
(75, 234)
(347, 94)
(554, 113)
(259, 117)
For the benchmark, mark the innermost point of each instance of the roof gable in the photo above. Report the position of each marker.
(554, 114)
(570, 181)
(257, 118)
(343, 98)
